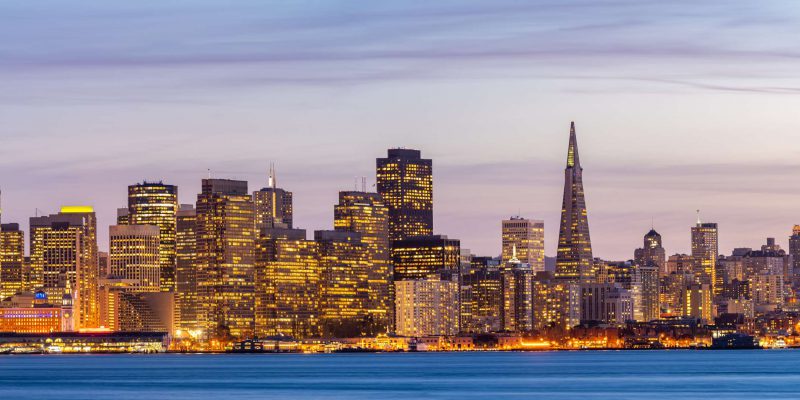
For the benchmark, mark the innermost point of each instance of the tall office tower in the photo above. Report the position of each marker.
(225, 258)
(405, 180)
(287, 284)
(517, 311)
(482, 299)
(556, 304)
(273, 205)
(134, 254)
(646, 278)
(705, 251)
(12, 257)
(64, 249)
(697, 302)
(427, 307)
(794, 249)
(185, 268)
(344, 285)
(574, 258)
(154, 203)
(672, 292)
(652, 253)
(527, 236)
(367, 214)
(606, 302)
(424, 257)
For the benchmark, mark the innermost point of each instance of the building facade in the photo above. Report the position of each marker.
(427, 307)
(405, 181)
(273, 205)
(527, 237)
(154, 203)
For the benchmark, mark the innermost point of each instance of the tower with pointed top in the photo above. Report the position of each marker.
(273, 205)
(574, 258)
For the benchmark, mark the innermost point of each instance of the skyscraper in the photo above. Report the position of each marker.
(225, 258)
(705, 252)
(405, 180)
(12, 257)
(186, 268)
(427, 307)
(287, 284)
(367, 214)
(134, 254)
(794, 249)
(652, 252)
(527, 236)
(344, 285)
(154, 203)
(574, 258)
(64, 253)
(424, 257)
(273, 205)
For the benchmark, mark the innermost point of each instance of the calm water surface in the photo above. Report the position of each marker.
(546, 375)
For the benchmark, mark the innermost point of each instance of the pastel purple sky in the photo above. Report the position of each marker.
(679, 105)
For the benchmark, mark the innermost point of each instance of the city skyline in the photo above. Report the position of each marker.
(671, 132)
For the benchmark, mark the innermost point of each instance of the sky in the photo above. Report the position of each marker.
(678, 105)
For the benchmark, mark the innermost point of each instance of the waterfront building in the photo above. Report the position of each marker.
(12, 258)
(225, 258)
(155, 203)
(287, 284)
(421, 257)
(273, 205)
(35, 313)
(705, 252)
(367, 214)
(652, 252)
(427, 307)
(527, 237)
(124, 308)
(405, 181)
(134, 254)
(64, 252)
(185, 268)
(344, 285)
(574, 259)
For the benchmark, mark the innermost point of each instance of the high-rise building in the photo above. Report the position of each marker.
(344, 285)
(481, 297)
(679, 263)
(794, 249)
(134, 254)
(225, 258)
(421, 257)
(273, 205)
(527, 237)
(154, 203)
(287, 284)
(652, 252)
(574, 258)
(367, 214)
(12, 258)
(405, 180)
(705, 252)
(186, 268)
(124, 308)
(64, 253)
(606, 302)
(556, 304)
(672, 292)
(517, 310)
(697, 302)
(123, 216)
(427, 307)
(646, 278)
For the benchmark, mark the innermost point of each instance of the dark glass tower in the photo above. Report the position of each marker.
(405, 180)
(574, 258)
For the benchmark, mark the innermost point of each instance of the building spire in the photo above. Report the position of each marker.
(698, 218)
(272, 179)
(572, 153)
